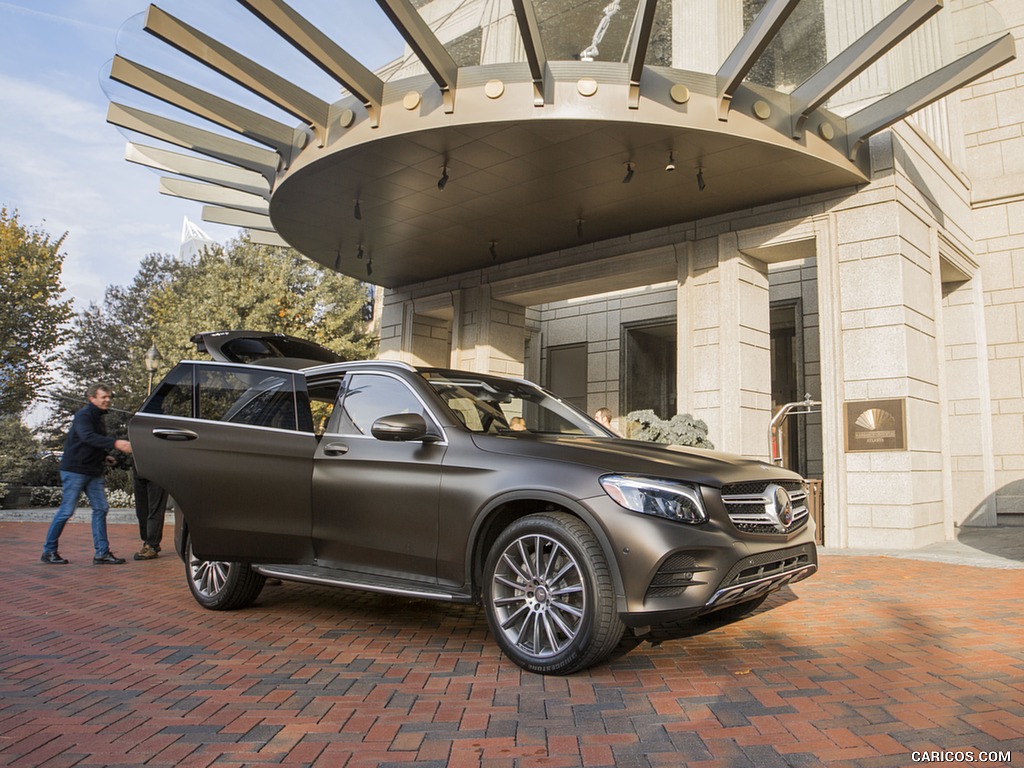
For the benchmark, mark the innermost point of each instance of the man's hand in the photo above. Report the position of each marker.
(123, 445)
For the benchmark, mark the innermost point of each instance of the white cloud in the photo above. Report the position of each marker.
(62, 166)
(64, 170)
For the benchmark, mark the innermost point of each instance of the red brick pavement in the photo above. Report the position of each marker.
(869, 661)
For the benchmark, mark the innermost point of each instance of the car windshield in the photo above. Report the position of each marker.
(492, 405)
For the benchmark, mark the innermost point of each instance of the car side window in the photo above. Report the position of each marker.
(322, 397)
(173, 396)
(367, 398)
(251, 396)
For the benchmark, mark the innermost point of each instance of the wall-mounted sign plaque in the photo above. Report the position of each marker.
(876, 425)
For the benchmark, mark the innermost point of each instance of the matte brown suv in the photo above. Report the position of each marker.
(423, 482)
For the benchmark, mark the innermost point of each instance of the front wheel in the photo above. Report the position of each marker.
(221, 586)
(549, 595)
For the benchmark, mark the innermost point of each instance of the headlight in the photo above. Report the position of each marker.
(661, 498)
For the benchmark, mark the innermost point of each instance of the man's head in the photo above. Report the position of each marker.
(99, 395)
(603, 416)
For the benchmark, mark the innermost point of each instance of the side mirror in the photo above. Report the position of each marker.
(405, 427)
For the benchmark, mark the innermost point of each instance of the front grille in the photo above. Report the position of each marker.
(675, 574)
(753, 508)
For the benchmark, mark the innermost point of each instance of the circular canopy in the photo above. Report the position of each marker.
(439, 164)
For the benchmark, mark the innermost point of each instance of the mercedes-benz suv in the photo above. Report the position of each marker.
(458, 486)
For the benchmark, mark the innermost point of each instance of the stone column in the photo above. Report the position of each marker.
(724, 367)
(489, 336)
(969, 405)
(413, 337)
(891, 351)
(833, 457)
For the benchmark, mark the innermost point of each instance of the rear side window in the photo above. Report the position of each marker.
(251, 396)
(174, 395)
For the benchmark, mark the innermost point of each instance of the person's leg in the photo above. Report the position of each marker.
(141, 488)
(72, 484)
(98, 499)
(157, 498)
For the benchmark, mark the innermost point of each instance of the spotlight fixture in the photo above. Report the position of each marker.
(629, 173)
(357, 211)
(443, 181)
(671, 162)
(700, 179)
(494, 250)
(359, 253)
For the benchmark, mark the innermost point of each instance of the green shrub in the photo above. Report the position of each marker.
(681, 429)
(50, 496)
(120, 499)
(46, 496)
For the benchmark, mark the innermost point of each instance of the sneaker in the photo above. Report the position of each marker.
(146, 553)
(53, 558)
(108, 558)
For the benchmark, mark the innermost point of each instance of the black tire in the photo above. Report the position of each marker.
(549, 595)
(737, 611)
(221, 586)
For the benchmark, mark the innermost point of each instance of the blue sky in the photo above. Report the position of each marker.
(62, 166)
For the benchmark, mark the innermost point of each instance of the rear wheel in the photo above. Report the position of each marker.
(549, 595)
(221, 586)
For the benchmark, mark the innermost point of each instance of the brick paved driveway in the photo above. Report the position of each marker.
(870, 660)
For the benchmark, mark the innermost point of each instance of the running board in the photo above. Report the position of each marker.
(324, 577)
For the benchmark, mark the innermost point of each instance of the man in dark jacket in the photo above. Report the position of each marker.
(81, 469)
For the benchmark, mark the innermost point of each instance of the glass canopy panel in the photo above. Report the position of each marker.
(594, 30)
(487, 32)
(797, 51)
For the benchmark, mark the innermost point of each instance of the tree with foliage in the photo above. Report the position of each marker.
(107, 343)
(260, 288)
(17, 450)
(240, 286)
(31, 294)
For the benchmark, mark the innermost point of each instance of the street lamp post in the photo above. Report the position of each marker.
(152, 363)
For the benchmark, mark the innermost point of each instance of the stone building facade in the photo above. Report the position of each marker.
(898, 304)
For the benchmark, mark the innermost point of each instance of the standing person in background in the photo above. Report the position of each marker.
(150, 508)
(603, 416)
(81, 469)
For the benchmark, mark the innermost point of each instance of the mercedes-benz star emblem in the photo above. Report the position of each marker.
(778, 507)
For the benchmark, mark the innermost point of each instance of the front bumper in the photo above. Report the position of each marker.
(672, 572)
(763, 575)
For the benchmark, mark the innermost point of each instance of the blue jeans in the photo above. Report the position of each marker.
(74, 484)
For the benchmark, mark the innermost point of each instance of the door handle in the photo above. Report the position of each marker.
(175, 435)
(335, 449)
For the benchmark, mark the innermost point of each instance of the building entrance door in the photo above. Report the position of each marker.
(649, 368)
